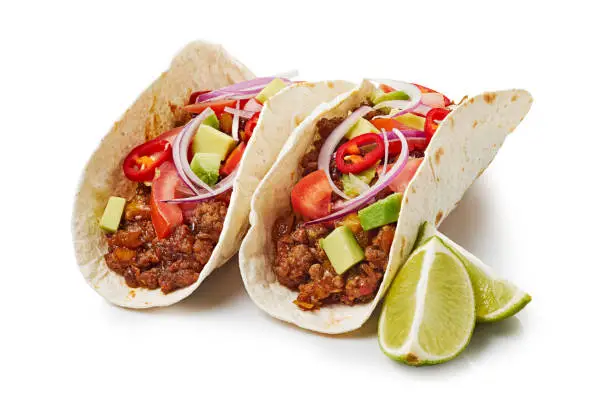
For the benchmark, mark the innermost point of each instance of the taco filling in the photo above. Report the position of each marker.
(164, 234)
(334, 246)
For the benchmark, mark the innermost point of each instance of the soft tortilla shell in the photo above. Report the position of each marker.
(198, 66)
(464, 145)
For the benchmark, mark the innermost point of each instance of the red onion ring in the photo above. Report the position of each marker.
(221, 187)
(179, 152)
(241, 113)
(327, 150)
(236, 124)
(240, 89)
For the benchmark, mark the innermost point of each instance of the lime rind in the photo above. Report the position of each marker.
(439, 291)
(496, 298)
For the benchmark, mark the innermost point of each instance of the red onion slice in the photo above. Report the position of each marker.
(236, 124)
(239, 90)
(221, 187)
(253, 106)
(386, 140)
(241, 113)
(327, 150)
(357, 203)
(179, 153)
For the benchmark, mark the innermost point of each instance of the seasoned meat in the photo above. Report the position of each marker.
(170, 263)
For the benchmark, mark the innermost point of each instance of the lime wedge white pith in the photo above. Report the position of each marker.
(496, 299)
(429, 313)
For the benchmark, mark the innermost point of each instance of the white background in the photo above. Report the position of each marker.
(540, 214)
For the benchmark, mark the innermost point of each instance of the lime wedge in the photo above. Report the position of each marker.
(496, 299)
(429, 313)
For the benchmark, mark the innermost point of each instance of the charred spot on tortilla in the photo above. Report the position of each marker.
(439, 217)
(512, 129)
(480, 172)
(475, 124)
(439, 153)
(131, 293)
(413, 189)
(489, 97)
(330, 85)
(451, 122)
(514, 98)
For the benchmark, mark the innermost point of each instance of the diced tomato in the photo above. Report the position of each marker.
(311, 196)
(165, 216)
(217, 106)
(395, 146)
(425, 89)
(386, 88)
(233, 160)
(401, 181)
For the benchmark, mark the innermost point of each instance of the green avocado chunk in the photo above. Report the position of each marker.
(210, 140)
(270, 90)
(381, 213)
(391, 96)
(362, 127)
(206, 167)
(112, 214)
(342, 249)
(211, 121)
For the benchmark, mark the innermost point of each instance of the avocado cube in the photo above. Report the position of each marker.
(362, 127)
(206, 167)
(210, 140)
(381, 213)
(270, 90)
(411, 120)
(211, 120)
(342, 249)
(112, 214)
(391, 96)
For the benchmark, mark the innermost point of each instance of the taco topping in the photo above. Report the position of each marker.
(164, 235)
(334, 247)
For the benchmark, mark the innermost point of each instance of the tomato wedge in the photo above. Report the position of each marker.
(386, 88)
(401, 181)
(165, 216)
(141, 162)
(311, 196)
(233, 160)
(217, 106)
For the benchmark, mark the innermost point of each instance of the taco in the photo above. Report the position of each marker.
(340, 210)
(164, 200)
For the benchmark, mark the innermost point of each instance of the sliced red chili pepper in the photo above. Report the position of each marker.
(141, 162)
(249, 127)
(360, 161)
(433, 115)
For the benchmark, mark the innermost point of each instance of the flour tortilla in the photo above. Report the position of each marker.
(462, 148)
(198, 66)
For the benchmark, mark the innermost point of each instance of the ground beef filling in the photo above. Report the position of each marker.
(170, 263)
(301, 264)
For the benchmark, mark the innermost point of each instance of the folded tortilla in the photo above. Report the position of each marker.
(463, 146)
(198, 66)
